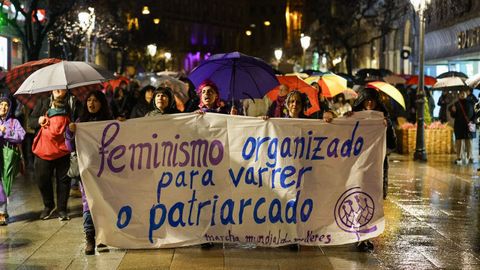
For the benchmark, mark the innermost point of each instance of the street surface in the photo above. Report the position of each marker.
(432, 222)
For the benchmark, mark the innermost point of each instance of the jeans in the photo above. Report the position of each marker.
(88, 223)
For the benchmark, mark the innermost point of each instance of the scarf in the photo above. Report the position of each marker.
(280, 106)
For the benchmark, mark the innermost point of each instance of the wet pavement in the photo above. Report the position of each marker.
(432, 222)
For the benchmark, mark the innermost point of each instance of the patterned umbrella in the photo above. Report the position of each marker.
(19, 74)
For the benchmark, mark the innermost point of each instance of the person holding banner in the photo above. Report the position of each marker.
(163, 102)
(95, 108)
(11, 135)
(296, 104)
(369, 99)
(210, 99)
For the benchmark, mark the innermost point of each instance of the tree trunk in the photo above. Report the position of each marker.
(349, 60)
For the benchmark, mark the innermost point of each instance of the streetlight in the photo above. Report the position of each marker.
(87, 23)
(420, 153)
(168, 56)
(278, 55)
(152, 51)
(305, 42)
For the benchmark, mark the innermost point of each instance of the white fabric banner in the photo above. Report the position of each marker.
(186, 179)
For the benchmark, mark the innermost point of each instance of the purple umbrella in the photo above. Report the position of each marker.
(238, 76)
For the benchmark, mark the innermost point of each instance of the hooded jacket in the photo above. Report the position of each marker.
(372, 94)
(14, 132)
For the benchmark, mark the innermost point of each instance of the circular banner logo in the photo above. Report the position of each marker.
(354, 210)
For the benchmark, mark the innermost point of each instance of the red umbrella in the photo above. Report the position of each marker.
(79, 92)
(116, 82)
(294, 82)
(18, 74)
(413, 80)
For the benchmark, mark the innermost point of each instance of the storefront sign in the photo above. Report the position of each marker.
(187, 179)
(468, 38)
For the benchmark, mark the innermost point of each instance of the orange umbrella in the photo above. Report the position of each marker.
(295, 82)
(413, 80)
(332, 84)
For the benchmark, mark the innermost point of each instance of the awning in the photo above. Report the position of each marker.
(445, 43)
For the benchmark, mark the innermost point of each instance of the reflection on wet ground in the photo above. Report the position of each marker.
(432, 222)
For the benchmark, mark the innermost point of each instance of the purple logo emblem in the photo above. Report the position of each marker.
(354, 210)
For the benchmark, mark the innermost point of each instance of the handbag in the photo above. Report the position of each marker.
(73, 171)
(472, 127)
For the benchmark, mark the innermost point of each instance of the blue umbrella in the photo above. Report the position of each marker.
(238, 76)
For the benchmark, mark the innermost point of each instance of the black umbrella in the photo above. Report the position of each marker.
(452, 74)
(371, 74)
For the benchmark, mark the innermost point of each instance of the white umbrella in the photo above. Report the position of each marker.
(179, 88)
(474, 81)
(451, 83)
(64, 75)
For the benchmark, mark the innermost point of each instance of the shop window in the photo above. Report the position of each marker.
(3, 52)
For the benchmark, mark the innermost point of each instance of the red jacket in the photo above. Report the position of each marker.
(49, 144)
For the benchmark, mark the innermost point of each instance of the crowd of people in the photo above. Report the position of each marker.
(48, 130)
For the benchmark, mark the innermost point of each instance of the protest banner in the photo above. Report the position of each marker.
(186, 179)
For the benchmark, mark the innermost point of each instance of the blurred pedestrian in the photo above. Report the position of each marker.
(322, 101)
(278, 109)
(121, 104)
(443, 102)
(193, 98)
(144, 103)
(463, 113)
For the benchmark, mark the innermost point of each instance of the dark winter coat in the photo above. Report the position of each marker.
(460, 126)
(73, 108)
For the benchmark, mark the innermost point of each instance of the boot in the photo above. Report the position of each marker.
(90, 243)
